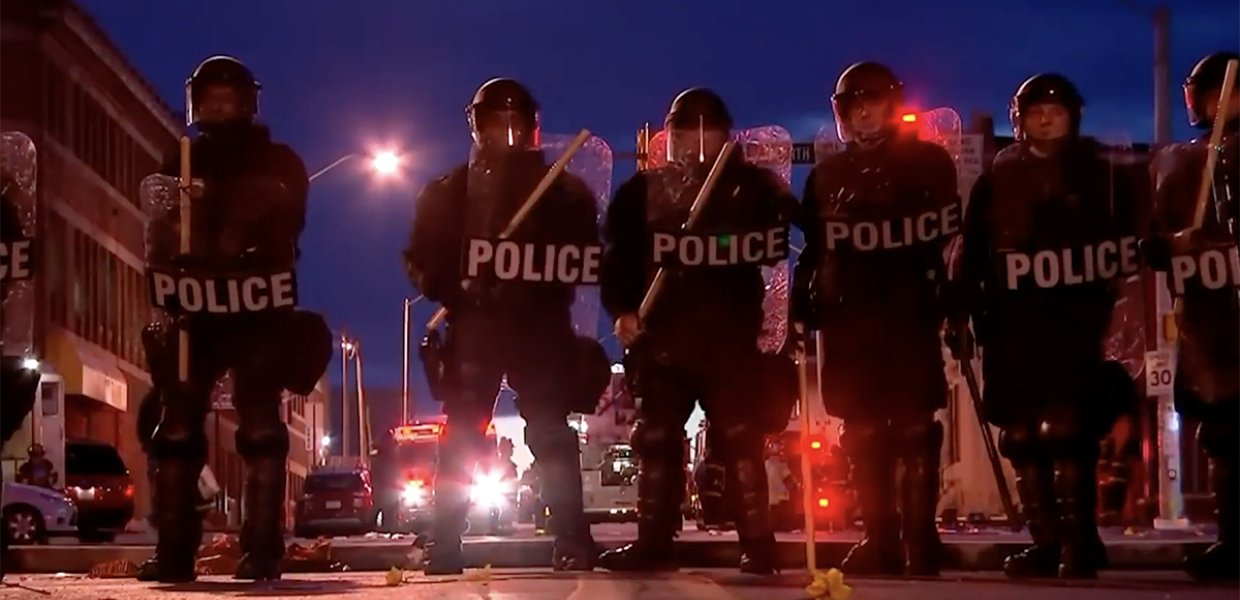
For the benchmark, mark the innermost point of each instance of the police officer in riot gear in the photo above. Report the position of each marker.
(698, 341)
(873, 291)
(520, 329)
(1207, 381)
(1048, 238)
(248, 215)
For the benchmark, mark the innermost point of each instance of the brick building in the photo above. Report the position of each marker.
(99, 129)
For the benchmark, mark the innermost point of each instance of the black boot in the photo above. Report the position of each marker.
(660, 488)
(262, 534)
(1221, 561)
(751, 498)
(1035, 480)
(873, 473)
(920, 491)
(180, 525)
(574, 548)
(443, 552)
(1081, 552)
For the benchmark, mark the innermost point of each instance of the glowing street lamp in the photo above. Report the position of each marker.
(384, 163)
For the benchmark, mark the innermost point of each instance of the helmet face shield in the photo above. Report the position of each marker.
(700, 144)
(221, 89)
(503, 129)
(867, 103)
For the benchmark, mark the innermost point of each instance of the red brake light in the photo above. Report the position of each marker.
(816, 445)
(823, 503)
(909, 117)
(129, 491)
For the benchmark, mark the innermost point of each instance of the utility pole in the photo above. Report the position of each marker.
(1162, 76)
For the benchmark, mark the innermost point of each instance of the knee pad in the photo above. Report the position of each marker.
(258, 440)
(310, 346)
(924, 438)
(1019, 442)
(551, 440)
(1068, 438)
(655, 440)
(178, 438)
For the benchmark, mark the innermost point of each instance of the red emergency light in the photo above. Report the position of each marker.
(823, 503)
(815, 445)
(909, 117)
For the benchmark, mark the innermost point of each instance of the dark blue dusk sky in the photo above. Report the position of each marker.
(344, 76)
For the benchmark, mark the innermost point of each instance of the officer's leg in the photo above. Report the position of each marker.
(180, 447)
(747, 493)
(870, 449)
(544, 368)
(666, 400)
(1221, 439)
(262, 441)
(1035, 475)
(1074, 449)
(919, 443)
(470, 384)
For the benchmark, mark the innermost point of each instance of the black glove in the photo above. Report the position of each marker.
(959, 339)
(1157, 252)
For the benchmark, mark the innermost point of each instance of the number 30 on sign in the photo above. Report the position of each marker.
(1159, 372)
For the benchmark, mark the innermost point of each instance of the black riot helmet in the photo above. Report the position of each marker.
(698, 107)
(698, 124)
(503, 114)
(866, 81)
(1203, 84)
(1046, 88)
(221, 70)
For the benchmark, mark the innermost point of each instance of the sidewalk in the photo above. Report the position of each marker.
(977, 551)
(699, 584)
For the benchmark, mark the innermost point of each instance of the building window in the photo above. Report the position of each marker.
(56, 268)
(79, 281)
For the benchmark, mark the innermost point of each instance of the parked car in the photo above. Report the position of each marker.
(335, 501)
(32, 514)
(97, 480)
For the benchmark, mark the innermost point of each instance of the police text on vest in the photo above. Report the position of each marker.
(187, 294)
(895, 233)
(719, 250)
(15, 260)
(527, 261)
(1213, 269)
(1071, 266)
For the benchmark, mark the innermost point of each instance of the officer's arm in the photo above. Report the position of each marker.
(942, 183)
(287, 167)
(971, 255)
(1167, 186)
(581, 213)
(810, 259)
(429, 241)
(623, 273)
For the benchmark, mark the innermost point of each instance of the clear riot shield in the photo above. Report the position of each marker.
(941, 126)
(1129, 178)
(498, 190)
(769, 147)
(226, 274)
(18, 175)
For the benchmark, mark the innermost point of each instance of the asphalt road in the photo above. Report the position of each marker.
(605, 532)
(705, 584)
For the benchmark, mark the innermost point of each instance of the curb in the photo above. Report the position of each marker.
(536, 553)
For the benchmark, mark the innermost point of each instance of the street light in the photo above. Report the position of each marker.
(384, 163)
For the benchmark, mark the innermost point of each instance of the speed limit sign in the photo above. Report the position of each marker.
(1159, 372)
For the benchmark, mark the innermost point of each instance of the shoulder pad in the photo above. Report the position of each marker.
(1006, 155)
